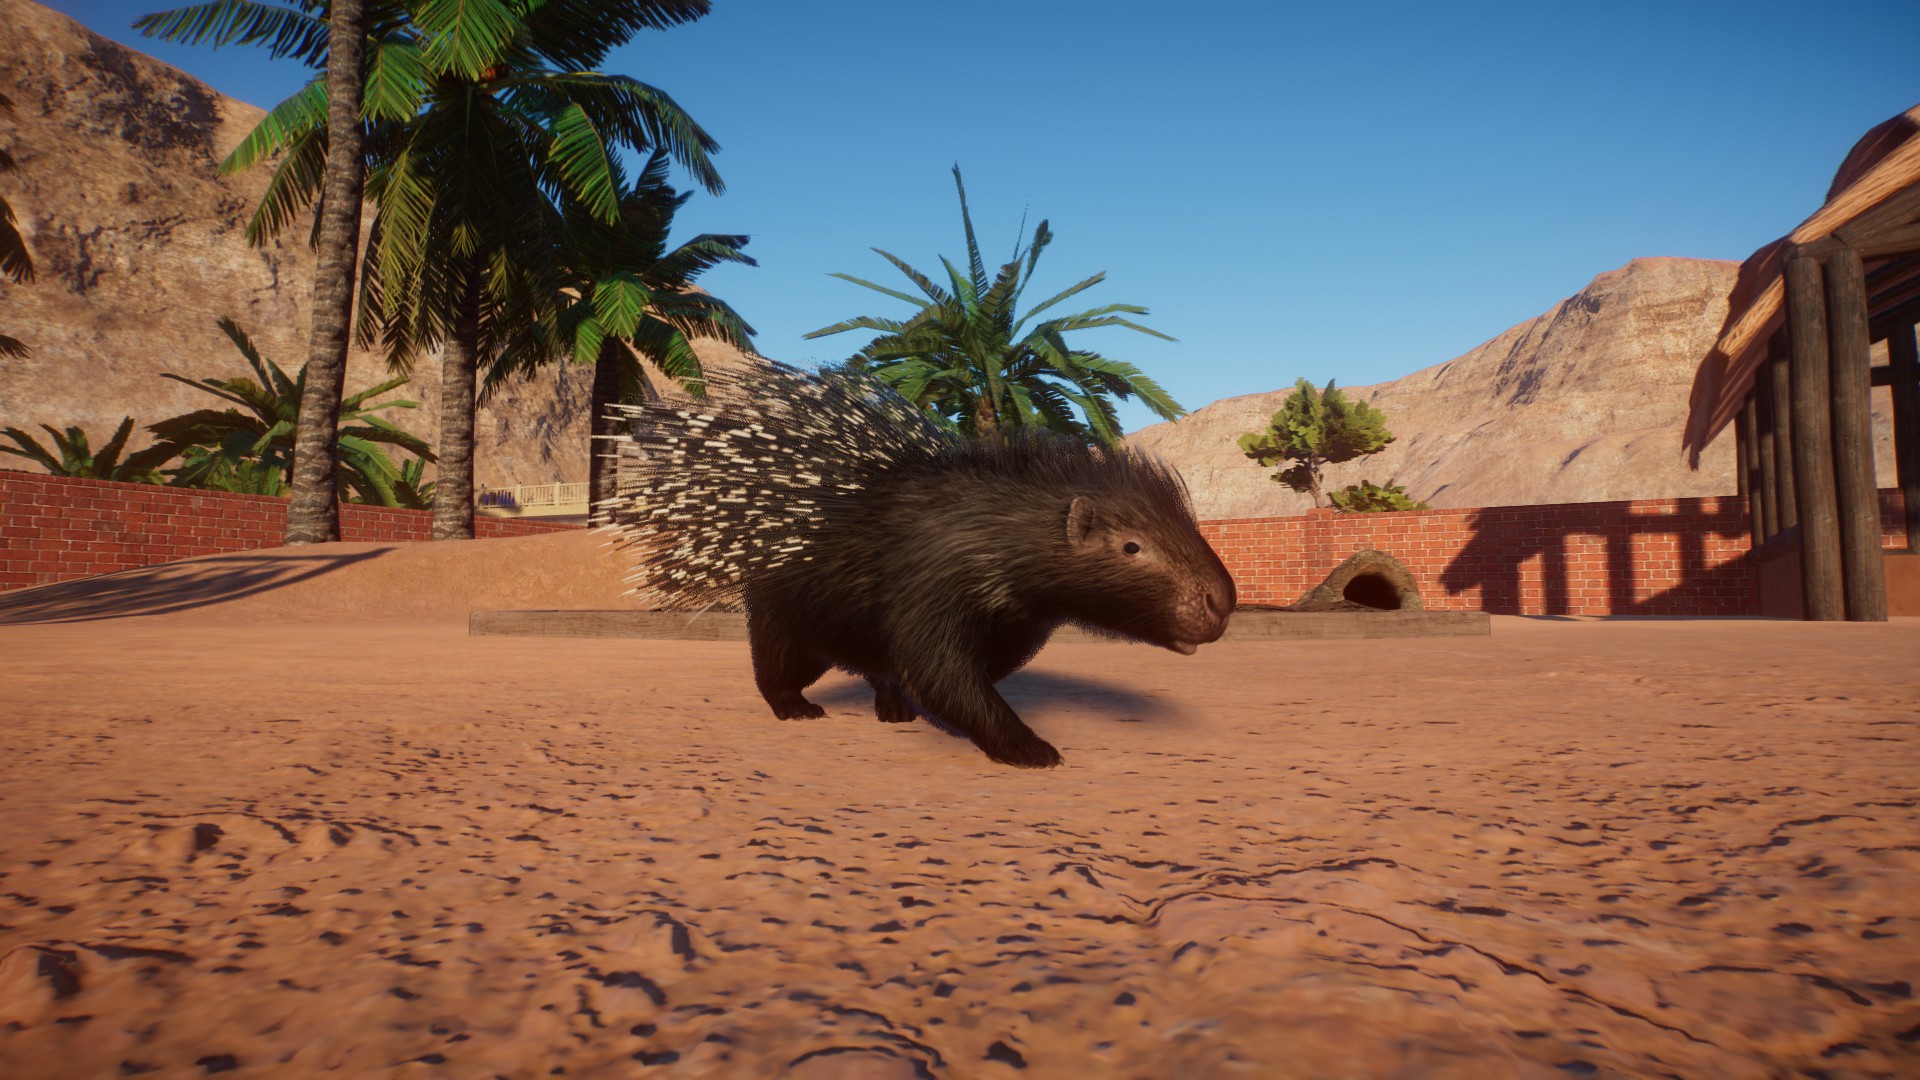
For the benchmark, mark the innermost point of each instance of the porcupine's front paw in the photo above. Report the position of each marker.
(796, 708)
(1029, 753)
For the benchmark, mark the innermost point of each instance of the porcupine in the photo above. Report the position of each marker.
(860, 535)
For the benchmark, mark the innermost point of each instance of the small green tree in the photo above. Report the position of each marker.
(77, 458)
(252, 451)
(1314, 429)
(1367, 497)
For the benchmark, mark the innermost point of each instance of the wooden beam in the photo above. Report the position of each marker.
(1892, 290)
(1818, 250)
(1904, 356)
(1892, 213)
(1889, 321)
(1820, 579)
(1766, 486)
(1890, 273)
(1786, 497)
(1890, 270)
(1862, 568)
(1742, 443)
(1894, 241)
(1746, 468)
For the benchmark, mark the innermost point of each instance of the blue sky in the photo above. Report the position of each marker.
(1346, 191)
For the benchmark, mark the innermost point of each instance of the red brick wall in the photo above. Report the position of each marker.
(1650, 557)
(55, 528)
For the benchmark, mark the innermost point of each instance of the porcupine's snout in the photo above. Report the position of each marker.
(1202, 615)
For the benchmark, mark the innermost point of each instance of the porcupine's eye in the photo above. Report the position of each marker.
(1131, 548)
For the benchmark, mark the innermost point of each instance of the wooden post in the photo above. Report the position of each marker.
(1863, 572)
(1786, 500)
(1746, 428)
(1767, 484)
(1903, 355)
(1820, 581)
(1742, 434)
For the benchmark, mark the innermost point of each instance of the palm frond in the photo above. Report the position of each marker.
(667, 348)
(304, 110)
(301, 34)
(15, 262)
(1065, 293)
(585, 161)
(293, 187)
(1089, 320)
(700, 254)
(631, 112)
(396, 81)
(862, 322)
(355, 402)
(467, 38)
(976, 267)
(108, 455)
(30, 448)
(373, 429)
(895, 293)
(620, 300)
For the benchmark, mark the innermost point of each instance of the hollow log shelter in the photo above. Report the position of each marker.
(1791, 372)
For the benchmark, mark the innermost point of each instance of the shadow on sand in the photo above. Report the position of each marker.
(1587, 559)
(169, 587)
(1033, 693)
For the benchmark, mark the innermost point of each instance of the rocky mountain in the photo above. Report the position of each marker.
(1584, 403)
(139, 247)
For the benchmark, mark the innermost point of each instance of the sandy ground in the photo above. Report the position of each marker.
(248, 835)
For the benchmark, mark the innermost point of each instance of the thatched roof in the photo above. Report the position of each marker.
(1876, 189)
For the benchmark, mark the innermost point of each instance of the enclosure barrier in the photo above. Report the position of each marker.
(1647, 557)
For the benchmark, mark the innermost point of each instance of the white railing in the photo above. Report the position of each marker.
(533, 500)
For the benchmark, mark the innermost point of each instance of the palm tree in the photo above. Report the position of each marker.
(15, 264)
(77, 458)
(313, 511)
(627, 298)
(967, 360)
(254, 451)
(334, 40)
(481, 115)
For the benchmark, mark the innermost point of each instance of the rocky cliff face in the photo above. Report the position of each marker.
(139, 247)
(1584, 403)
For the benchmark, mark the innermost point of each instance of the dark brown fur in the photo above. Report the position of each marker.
(861, 536)
(948, 573)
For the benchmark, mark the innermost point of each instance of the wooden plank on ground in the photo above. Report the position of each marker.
(732, 626)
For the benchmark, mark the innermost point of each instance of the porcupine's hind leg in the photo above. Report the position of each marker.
(890, 703)
(781, 667)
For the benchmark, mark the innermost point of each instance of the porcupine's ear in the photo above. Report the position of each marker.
(1083, 520)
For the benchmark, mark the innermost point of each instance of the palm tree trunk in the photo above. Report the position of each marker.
(453, 484)
(313, 512)
(601, 473)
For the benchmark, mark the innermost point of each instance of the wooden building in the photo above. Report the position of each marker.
(1791, 374)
